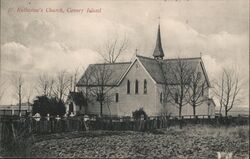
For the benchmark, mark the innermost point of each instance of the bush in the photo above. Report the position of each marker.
(137, 114)
(45, 105)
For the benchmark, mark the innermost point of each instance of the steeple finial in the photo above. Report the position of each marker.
(158, 52)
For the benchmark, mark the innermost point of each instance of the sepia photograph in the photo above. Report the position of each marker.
(124, 79)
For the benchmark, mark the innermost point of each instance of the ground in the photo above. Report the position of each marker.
(188, 142)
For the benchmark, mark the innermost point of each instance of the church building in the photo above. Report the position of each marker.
(144, 83)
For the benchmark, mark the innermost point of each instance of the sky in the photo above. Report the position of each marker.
(48, 42)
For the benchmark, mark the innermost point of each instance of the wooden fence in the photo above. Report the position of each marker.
(13, 125)
(15, 128)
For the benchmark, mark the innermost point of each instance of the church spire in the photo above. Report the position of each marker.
(158, 52)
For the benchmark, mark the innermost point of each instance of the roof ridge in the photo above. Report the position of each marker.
(188, 58)
(111, 63)
(145, 57)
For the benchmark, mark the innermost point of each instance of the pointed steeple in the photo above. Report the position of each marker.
(158, 52)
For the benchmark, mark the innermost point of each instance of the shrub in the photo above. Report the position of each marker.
(45, 105)
(137, 114)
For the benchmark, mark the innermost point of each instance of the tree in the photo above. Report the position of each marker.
(102, 75)
(61, 85)
(198, 85)
(164, 95)
(87, 78)
(113, 48)
(74, 77)
(29, 93)
(48, 105)
(45, 84)
(17, 82)
(227, 89)
(177, 76)
(78, 98)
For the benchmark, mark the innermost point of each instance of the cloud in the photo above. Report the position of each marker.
(89, 32)
(213, 67)
(180, 36)
(16, 57)
(54, 57)
(39, 31)
(50, 57)
(33, 33)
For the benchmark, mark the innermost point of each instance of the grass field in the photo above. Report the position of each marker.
(189, 142)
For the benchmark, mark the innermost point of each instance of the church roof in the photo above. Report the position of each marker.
(114, 72)
(158, 51)
(155, 69)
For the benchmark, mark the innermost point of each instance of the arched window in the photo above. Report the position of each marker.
(145, 87)
(128, 87)
(116, 97)
(161, 97)
(136, 86)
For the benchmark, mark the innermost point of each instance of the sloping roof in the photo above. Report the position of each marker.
(112, 73)
(156, 68)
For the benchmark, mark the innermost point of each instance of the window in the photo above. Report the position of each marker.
(145, 87)
(176, 98)
(116, 97)
(161, 97)
(128, 87)
(136, 86)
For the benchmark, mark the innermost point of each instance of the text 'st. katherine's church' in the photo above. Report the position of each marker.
(140, 84)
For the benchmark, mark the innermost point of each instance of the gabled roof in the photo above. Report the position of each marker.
(153, 67)
(156, 68)
(114, 72)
